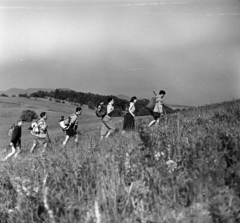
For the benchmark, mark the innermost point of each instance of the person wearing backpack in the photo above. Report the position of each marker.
(108, 126)
(158, 108)
(40, 133)
(71, 130)
(101, 110)
(129, 121)
(15, 140)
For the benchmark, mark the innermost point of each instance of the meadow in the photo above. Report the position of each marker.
(184, 170)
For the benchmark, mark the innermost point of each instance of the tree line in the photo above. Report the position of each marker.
(92, 100)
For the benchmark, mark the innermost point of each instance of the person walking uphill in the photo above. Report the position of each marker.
(71, 130)
(129, 122)
(15, 140)
(108, 126)
(40, 133)
(158, 108)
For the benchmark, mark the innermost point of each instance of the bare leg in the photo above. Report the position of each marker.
(10, 154)
(33, 146)
(65, 141)
(18, 151)
(76, 139)
(151, 123)
(108, 134)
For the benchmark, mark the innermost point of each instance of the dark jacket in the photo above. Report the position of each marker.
(17, 133)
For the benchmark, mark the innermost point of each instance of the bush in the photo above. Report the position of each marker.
(24, 95)
(3, 95)
(91, 105)
(143, 112)
(28, 115)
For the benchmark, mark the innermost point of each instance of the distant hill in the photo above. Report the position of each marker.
(124, 97)
(17, 91)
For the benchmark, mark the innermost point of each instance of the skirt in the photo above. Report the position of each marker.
(128, 122)
(107, 126)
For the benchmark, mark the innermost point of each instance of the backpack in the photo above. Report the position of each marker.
(10, 130)
(64, 122)
(101, 111)
(34, 127)
(151, 104)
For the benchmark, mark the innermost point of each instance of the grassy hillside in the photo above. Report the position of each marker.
(184, 170)
(12, 107)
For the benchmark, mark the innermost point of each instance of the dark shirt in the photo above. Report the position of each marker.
(17, 133)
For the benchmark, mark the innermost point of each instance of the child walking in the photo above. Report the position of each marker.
(15, 140)
(158, 108)
(41, 137)
(71, 130)
(108, 126)
(129, 118)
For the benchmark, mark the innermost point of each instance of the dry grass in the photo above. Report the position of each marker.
(185, 170)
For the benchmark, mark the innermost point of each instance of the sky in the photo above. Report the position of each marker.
(189, 48)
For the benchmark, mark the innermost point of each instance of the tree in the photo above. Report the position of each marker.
(28, 115)
(24, 95)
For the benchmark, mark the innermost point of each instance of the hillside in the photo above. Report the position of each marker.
(12, 107)
(184, 170)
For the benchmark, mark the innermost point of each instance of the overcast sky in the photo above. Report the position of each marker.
(189, 48)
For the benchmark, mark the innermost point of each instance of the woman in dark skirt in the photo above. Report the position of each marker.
(129, 122)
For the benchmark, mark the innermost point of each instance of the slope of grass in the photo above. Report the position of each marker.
(184, 170)
(12, 107)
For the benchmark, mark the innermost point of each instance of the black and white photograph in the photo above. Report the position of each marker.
(119, 111)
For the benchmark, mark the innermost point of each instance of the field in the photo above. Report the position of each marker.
(184, 170)
(11, 109)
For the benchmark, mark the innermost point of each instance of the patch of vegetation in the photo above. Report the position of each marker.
(24, 95)
(184, 170)
(3, 95)
(28, 115)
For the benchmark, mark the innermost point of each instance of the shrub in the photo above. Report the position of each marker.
(3, 95)
(143, 112)
(24, 95)
(28, 115)
(91, 105)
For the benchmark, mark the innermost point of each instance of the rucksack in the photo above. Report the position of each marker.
(151, 104)
(101, 111)
(10, 130)
(34, 127)
(64, 122)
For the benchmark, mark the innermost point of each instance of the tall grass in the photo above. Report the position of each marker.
(184, 170)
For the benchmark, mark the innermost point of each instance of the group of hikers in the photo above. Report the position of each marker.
(39, 128)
